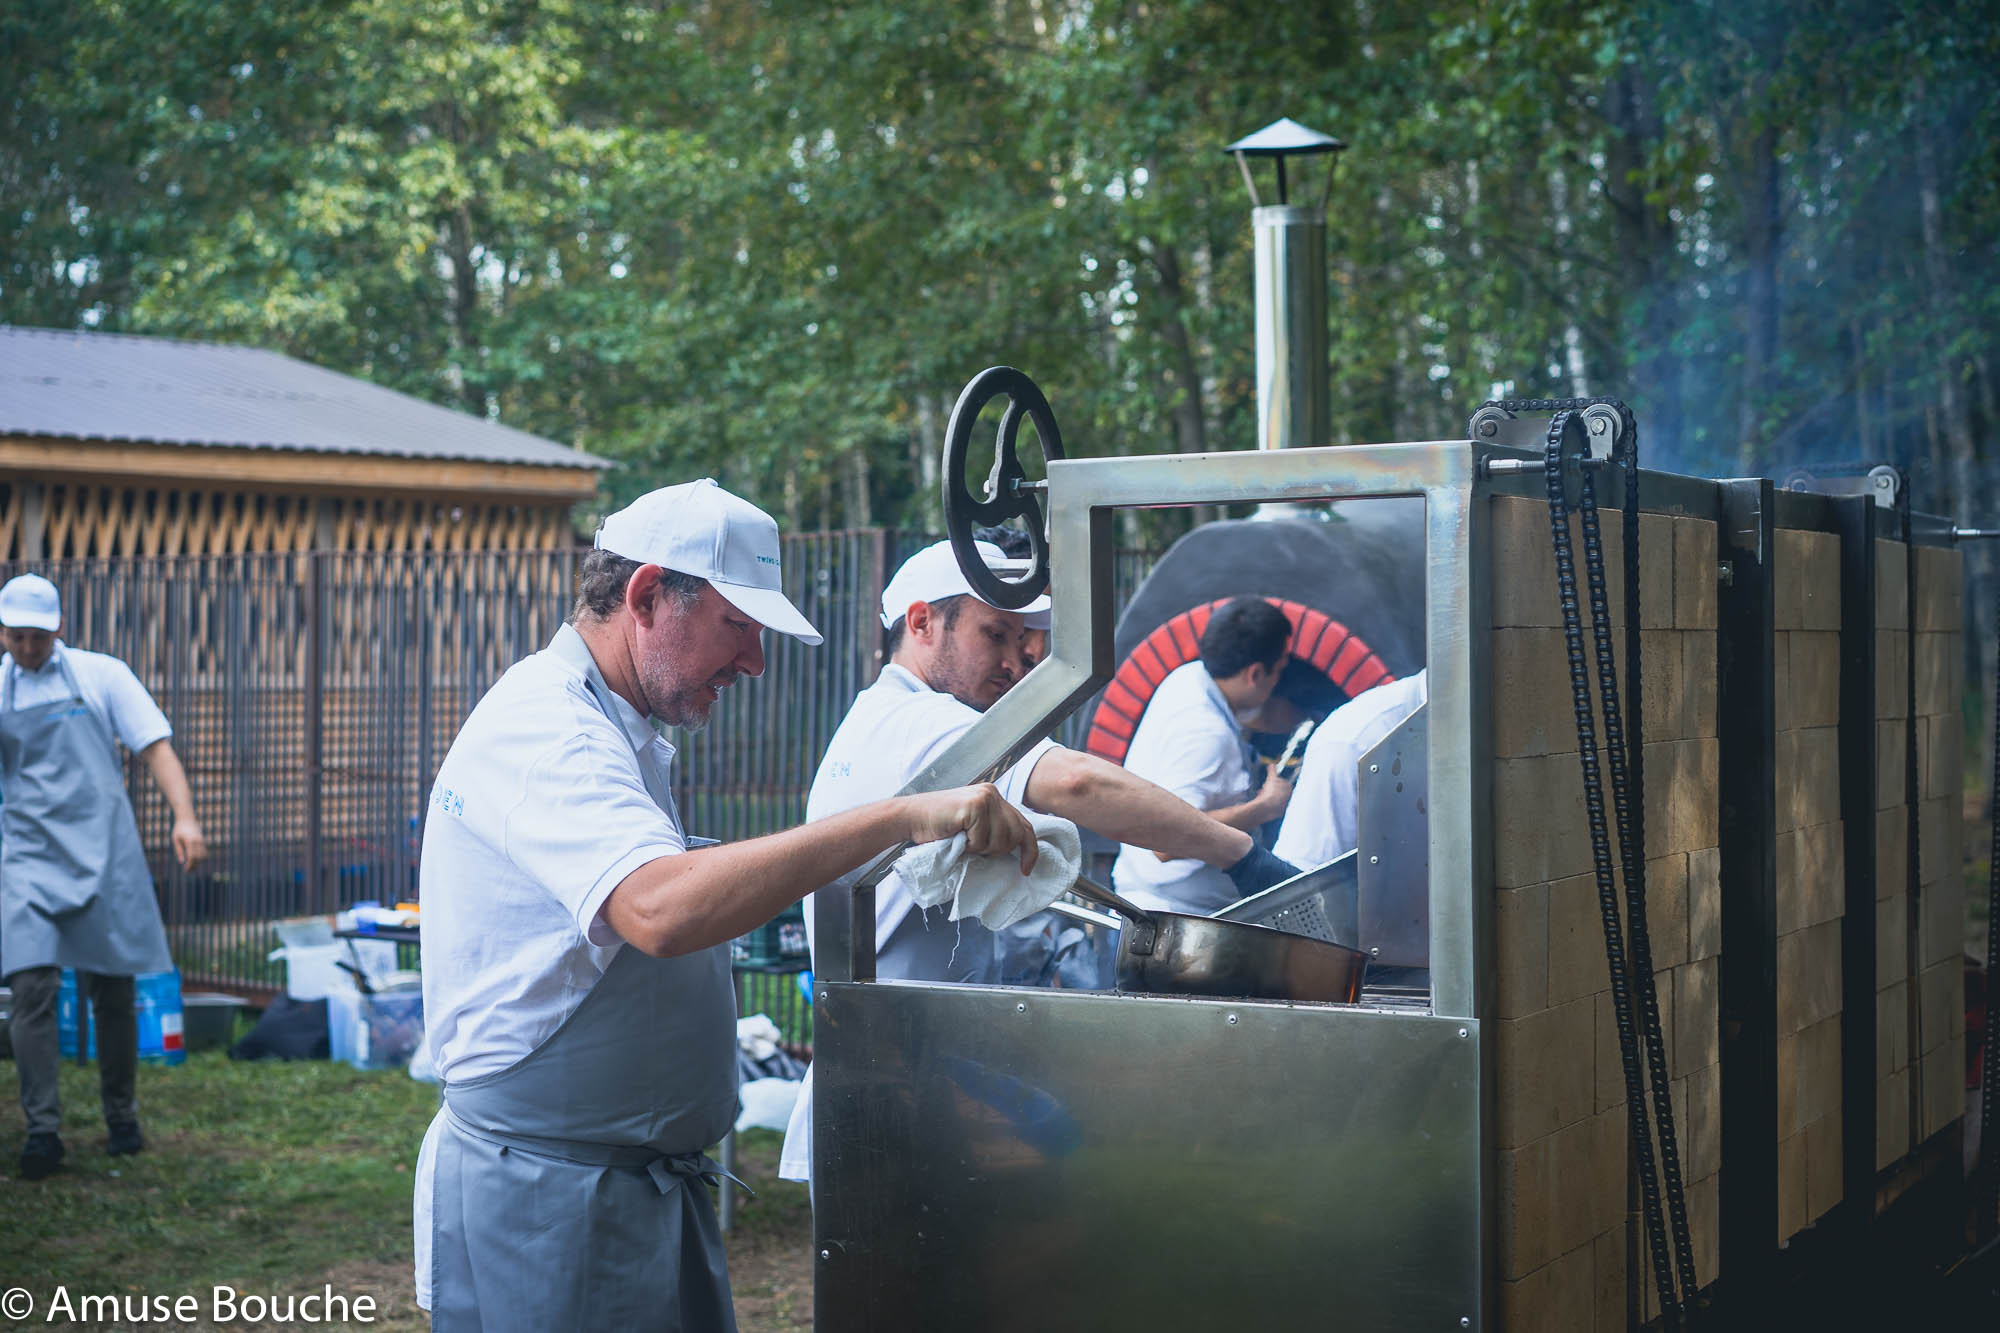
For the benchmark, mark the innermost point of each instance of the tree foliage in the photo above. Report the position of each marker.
(769, 239)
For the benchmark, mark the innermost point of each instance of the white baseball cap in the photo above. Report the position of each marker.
(932, 574)
(30, 601)
(700, 529)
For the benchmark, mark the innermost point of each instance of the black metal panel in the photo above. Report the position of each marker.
(1746, 717)
(1858, 519)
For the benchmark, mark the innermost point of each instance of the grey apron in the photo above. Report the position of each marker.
(74, 887)
(568, 1189)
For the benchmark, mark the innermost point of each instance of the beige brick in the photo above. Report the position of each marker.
(1704, 903)
(1943, 1074)
(1942, 992)
(1823, 1183)
(1934, 673)
(1704, 1200)
(1892, 1030)
(1819, 775)
(1667, 909)
(1815, 679)
(1940, 834)
(1699, 678)
(1892, 937)
(1701, 1127)
(1681, 809)
(1892, 1118)
(1892, 665)
(1940, 589)
(1656, 571)
(1664, 665)
(1524, 1202)
(1944, 923)
(1892, 851)
(1534, 715)
(1695, 574)
(1789, 1118)
(1788, 572)
(1576, 940)
(1521, 950)
(1808, 976)
(1540, 829)
(1543, 1076)
(1555, 1298)
(1610, 1070)
(1820, 581)
(1697, 1017)
(1943, 771)
(1608, 1281)
(1818, 1073)
(1524, 586)
(1788, 796)
(1812, 875)
(1892, 783)
(1791, 1186)
(1892, 592)
(1783, 714)
(1588, 1161)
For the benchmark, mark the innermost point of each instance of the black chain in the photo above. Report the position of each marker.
(1988, 1197)
(1626, 752)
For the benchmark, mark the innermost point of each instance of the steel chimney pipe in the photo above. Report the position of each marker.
(1293, 410)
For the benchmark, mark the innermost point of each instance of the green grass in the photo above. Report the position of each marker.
(279, 1178)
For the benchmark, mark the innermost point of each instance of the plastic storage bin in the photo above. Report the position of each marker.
(379, 1031)
(316, 963)
(156, 996)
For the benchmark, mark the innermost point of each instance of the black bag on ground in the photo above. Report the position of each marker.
(289, 1030)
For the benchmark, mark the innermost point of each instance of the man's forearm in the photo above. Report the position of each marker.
(165, 766)
(680, 904)
(1125, 807)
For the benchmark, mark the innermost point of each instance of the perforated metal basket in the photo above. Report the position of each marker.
(1321, 903)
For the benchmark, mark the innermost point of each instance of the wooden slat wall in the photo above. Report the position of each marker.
(82, 520)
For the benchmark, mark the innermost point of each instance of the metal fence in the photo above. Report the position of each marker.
(313, 696)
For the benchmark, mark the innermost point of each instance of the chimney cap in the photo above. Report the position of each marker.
(1285, 137)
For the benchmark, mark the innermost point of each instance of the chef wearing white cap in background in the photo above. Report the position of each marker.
(75, 890)
(951, 655)
(576, 955)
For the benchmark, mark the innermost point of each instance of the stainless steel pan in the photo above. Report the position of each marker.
(1172, 953)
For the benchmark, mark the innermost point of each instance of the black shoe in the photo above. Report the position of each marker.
(125, 1139)
(43, 1154)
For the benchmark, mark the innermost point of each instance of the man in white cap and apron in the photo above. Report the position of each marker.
(951, 655)
(576, 954)
(75, 890)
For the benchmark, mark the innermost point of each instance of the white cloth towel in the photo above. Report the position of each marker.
(993, 888)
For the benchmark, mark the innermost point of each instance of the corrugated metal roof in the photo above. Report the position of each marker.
(120, 386)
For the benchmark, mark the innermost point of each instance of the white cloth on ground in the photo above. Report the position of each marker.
(992, 888)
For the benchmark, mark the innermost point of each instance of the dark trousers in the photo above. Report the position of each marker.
(38, 1060)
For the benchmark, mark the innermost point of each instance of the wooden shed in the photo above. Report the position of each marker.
(113, 444)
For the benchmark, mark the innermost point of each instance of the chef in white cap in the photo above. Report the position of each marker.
(577, 989)
(951, 655)
(75, 890)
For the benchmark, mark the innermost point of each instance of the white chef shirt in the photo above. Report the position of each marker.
(538, 812)
(894, 730)
(1320, 822)
(1188, 742)
(107, 684)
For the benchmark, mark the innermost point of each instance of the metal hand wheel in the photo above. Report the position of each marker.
(1007, 494)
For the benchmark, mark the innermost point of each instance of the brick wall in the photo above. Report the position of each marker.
(1920, 1054)
(1559, 1101)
